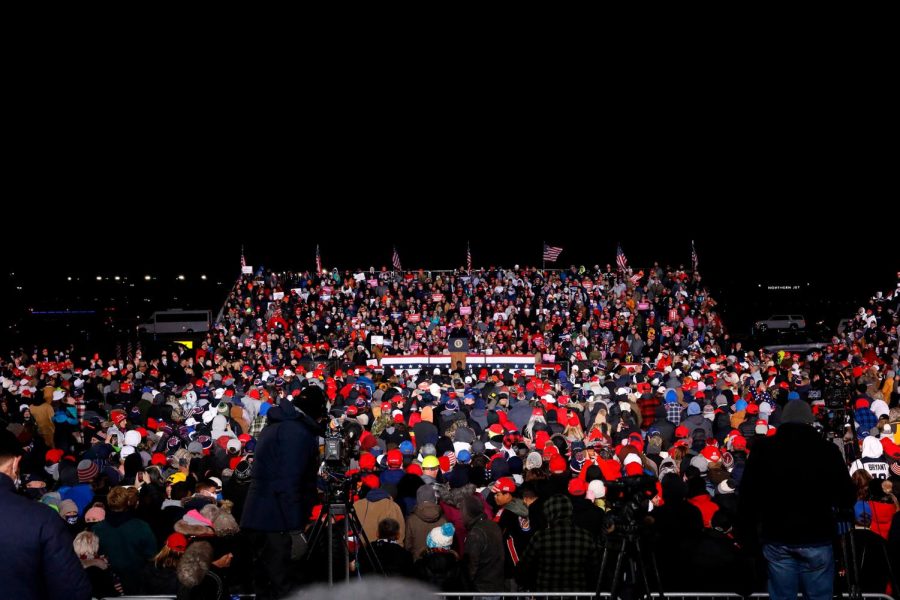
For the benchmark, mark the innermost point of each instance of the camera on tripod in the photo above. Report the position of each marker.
(342, 444)
(628, 498)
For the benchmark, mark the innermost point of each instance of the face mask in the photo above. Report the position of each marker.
(72, 520)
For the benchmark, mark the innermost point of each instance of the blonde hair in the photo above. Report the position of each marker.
(86, 545)
(167, 558)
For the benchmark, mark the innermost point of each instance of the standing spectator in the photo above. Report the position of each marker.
(561, 558)
(127, 541)
(483, 556)
(792, 485)
(37, 561)
(104, 582)
(394, 558)
(283, 487)
(439, 565)
(426, 516)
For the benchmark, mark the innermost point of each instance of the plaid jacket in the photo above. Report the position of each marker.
(562, 558)
(673, 413)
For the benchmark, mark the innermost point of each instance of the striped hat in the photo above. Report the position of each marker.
(87, 470)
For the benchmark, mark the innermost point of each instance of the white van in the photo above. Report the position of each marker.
(177, 321)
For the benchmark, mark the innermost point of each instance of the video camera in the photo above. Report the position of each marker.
(341, 444)
(628, 498)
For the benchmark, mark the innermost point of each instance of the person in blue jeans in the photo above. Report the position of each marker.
(793, 484)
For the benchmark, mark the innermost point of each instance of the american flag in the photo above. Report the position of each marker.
(396, 260)
(318, 260)
(243, 260)
(551, 253)
(695, 260)
(468, 257)
(620, 258)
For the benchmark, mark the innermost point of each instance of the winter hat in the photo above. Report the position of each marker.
(463, 456)
(441, 537)
(533, 460)
(693, 409)
(132, 438)
(95, 515)
(176, 542)
(67, 507)
(595, 489)
(87, 470)
(558, 464)
(426, 493)
(797, 411)
(577, 487)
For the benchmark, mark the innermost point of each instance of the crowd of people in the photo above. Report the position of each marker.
(195, 472)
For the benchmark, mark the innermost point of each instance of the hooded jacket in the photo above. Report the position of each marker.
(516, 529)
(791, 485)
(378, 505)
(424, 518)
(283, 480)
(561, 558)
(872, 460)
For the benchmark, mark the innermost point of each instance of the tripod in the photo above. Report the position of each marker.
(625, 543)
(339, 503)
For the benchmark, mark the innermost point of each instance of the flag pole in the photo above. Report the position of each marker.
(543, 259)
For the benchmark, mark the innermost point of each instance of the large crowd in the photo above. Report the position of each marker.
(468, 479)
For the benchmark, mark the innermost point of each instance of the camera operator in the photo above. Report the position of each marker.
(283, 486)
(793, 483)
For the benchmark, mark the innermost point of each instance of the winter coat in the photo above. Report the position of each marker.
(440, 568)
(424, 518)
(516, 529)
(37, 561)
(128, 543)
(802, 475)
(378, 505)
(561, 558)
(159, 582)
(394, 558)
(450, 502)
(483, 557)
(196, 578)
(283, 478)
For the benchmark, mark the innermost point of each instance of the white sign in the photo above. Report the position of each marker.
(377, 340)
(247, 270)
(277, 295)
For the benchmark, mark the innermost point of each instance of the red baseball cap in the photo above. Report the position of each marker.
(177, 542)
(371, 481)
(711, 453)
(394, 458)
(577, 487)
(504, 484)
(752, 409)
(682, 432)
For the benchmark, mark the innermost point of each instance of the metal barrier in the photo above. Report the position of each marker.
(566, 595)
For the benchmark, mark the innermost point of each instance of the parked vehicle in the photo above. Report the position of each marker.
(176, 321)
(781, 322)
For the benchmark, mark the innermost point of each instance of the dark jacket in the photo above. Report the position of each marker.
(562, 558)
(283, 487)
(128, 542)
(394, 559)
(36, 556)
(484, 555)
(440, 568)
(792, 483)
